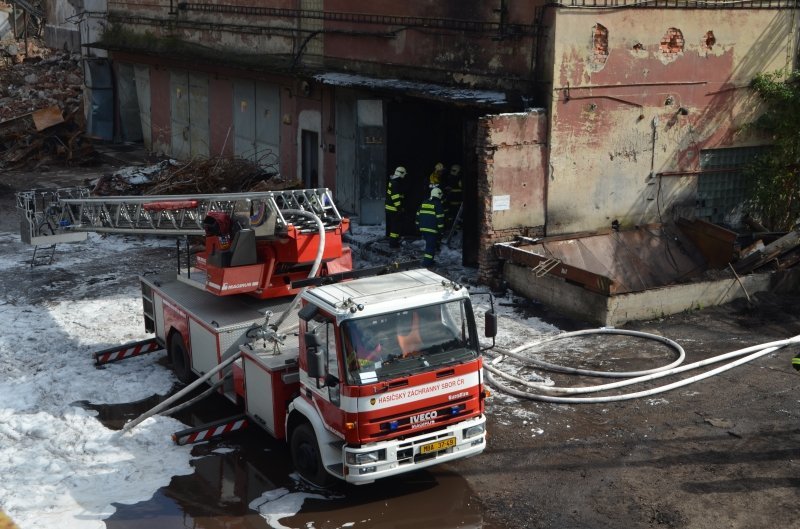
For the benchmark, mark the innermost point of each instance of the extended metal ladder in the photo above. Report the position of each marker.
(50, 215)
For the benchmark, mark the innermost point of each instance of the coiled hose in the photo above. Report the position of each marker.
(632, 377)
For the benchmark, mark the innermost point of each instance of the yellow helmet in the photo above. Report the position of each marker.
(439, 167)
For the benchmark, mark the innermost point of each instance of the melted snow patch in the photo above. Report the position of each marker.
(276, 504)
(60, 466)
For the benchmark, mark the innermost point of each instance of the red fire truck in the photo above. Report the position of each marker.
(366, 374)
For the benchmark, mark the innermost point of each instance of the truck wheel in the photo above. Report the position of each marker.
(180, 360)
(306, 458)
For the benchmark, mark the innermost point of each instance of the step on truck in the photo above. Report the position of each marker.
(364, 373)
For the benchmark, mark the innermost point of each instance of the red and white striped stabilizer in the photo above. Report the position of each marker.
(121, 352)
(209, 431)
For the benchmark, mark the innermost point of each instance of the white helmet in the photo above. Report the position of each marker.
(436, 193)
(400, 172)
(455, 170)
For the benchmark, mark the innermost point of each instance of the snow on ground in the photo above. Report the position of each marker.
(60, 466)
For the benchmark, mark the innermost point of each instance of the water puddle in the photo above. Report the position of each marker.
(247, 481)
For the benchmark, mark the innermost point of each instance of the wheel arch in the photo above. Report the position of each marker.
(300, 412)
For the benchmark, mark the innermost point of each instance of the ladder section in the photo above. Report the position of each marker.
(72, 210)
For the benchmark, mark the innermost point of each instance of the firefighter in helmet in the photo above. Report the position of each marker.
(430, 221)
(394, 205)
(436, 176)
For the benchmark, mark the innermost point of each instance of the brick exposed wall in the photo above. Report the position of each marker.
(493, 134)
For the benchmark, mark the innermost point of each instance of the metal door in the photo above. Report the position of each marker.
(198, 116)
(100, 121)
(130, 123)
(142, 74)
(188, 115)
(179, 114)
(256, 122)
(371, 160)
(244, 125)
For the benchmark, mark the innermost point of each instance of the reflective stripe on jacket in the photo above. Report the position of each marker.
(430, 216)
(394, 196)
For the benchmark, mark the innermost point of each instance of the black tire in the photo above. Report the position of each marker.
(180, 360)
(306, 458)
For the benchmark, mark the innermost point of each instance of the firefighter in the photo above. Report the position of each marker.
(796, 362)
(430, 221)
(435, 179)
(364, 350)
(394, 206)
(454, 194)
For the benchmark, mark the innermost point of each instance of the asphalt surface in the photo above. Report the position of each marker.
(723, 452)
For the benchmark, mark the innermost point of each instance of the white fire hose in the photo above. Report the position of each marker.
(634, 377)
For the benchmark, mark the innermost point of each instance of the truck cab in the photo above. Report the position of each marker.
(390, 378)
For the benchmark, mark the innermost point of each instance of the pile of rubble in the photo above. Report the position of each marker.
(171, 177)
(41, 112)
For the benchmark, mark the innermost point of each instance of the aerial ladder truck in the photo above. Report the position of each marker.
(364, 373)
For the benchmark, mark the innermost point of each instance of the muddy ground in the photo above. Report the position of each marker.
(721, 453)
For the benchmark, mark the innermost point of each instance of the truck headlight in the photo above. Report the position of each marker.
(472, 431)
(362, 458)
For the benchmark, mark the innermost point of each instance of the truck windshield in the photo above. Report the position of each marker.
(404, 343)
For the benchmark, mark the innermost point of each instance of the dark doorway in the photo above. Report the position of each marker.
(420, 135)
(309, 165)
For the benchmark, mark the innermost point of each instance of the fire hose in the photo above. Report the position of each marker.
(746, 354)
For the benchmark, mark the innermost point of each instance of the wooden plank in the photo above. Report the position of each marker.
(47, 117)
(757, 259)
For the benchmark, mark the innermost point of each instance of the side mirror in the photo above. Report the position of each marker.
(315, 363)
(308, 312)
(490, 321)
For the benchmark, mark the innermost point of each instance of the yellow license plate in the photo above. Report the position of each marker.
(438, 445)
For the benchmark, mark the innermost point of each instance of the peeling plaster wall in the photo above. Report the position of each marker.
(645, 97)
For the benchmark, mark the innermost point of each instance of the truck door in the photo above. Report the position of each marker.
(328, 398)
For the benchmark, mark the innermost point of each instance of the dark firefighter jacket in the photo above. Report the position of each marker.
(394, 195)
(430, 217)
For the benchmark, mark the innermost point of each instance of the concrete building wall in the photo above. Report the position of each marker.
(637, 94)
(470, 42)
(72, 23)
